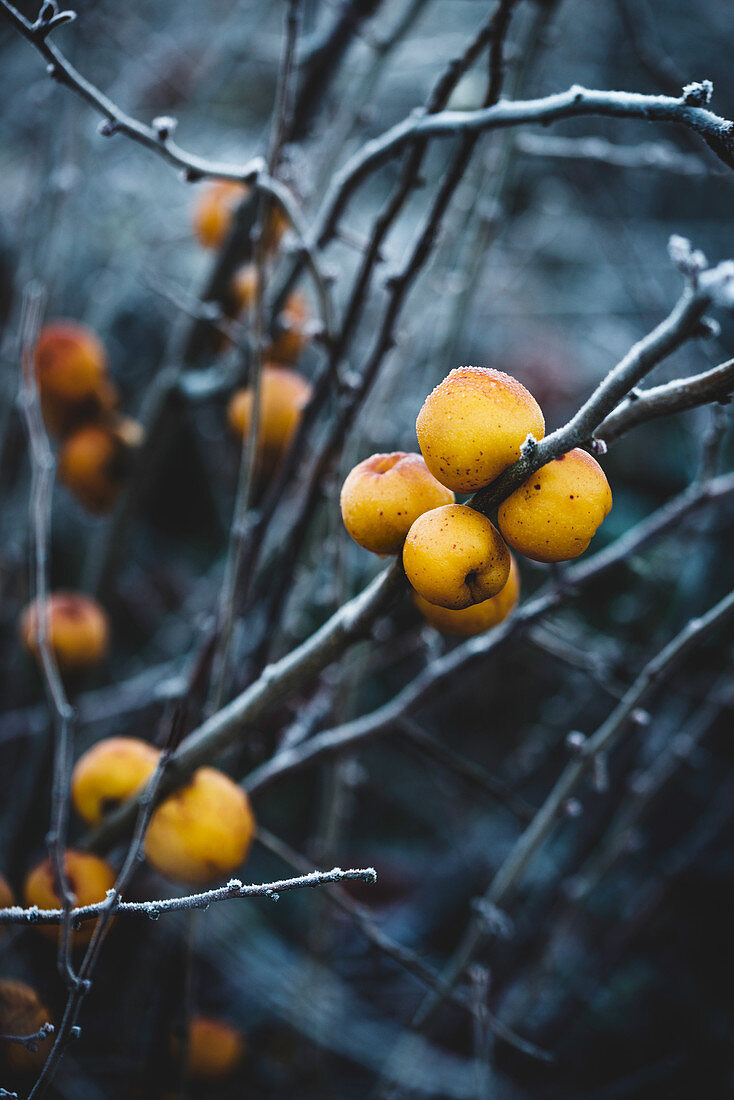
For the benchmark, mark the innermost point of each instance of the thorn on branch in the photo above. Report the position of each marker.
(192, 175)
(164, 126)
(30, 1042)
(495, 921)
(689, 261)
(575, 742)
(108, 127)
(698, 94)
(528, 446)
(708, 329)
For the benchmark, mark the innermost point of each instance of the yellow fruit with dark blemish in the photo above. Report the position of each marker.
(383, 496)
(554, 515)
(109, 773)
(455, 557)
(472, 426)
(478, 618)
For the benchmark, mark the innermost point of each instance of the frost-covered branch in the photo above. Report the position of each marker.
(234, 889)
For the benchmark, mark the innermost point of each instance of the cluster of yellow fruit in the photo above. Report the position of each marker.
(79, 405)
(197, 835)
(200, 833)
(470, 429)
(283, 391)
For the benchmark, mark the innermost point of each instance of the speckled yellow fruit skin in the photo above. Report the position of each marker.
(71, 369)
(89, 878)
(215, 1049)
(554, 515)
(383, 496)
(22, 1013)
(201, 832)
(455, 557)
(472, 426)
(78, 630)
(109, 773)
(478, 618)
(283, 395)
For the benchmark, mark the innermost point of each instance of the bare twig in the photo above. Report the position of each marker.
(30, 1042)
(656, 155)
(157, 137)
(352, 621)
(718, 133)
(684, 393)
(467, 770)
(711, 286)
(403, 956)
(154, 909)
(42, 476)
(241, 528)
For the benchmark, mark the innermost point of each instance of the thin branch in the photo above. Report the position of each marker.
(690, 110)
(403, 956)
(42, 478)
(492, 31)
(656, 155)
(467, 770)
(30, 1042)
(157, 137)
(241, 528)
(713, 286)
(352, 621)
(718, 133)
(154, 909)
(672, 397)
